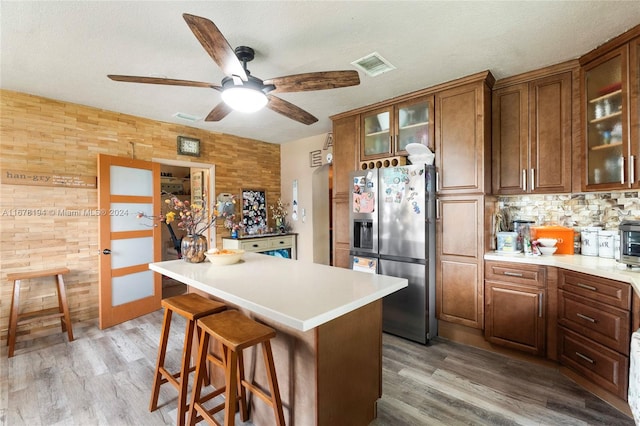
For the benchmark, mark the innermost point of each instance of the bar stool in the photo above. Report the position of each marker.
(62, 311)
(235, 332)
(192, 307)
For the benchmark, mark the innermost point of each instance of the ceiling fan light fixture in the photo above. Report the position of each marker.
(244, 99)
(243, 96)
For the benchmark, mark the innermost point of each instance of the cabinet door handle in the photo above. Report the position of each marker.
(586, 358)
(437, 209)
(437, 181)
(512, 274)
(540, 305)
(622, 170)
(632, 169)
(255, 245)
(533, 180)
(524, 180)
(588, 287)
(584, 317)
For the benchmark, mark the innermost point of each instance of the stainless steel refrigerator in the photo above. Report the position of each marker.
(392, 227)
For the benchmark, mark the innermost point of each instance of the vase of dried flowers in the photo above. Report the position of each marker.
(279, 214)
(195, 219)
(193, 248)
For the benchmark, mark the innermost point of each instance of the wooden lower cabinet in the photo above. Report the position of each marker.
(460, 246)
(604, 367)
(515, 306)
(459, 293)
(594, 329)
(514, 317)
(341, 232)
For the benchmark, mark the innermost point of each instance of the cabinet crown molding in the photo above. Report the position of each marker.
(485, 76)
(610, 45)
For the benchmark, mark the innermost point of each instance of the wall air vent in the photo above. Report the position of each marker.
(373, 64)
(186, 117)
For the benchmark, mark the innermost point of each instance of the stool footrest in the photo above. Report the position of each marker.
(42, 314)
(257, 391)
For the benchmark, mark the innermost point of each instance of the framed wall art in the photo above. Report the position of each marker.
(254, 210)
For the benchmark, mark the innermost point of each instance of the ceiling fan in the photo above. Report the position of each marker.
(242, 91)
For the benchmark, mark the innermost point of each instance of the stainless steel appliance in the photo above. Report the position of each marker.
(392, 227)
(630, 242)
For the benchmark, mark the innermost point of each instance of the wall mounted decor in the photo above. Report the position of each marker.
(315, 158)
(188, 146)
(254, 210)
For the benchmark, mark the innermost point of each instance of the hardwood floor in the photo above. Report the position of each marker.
(104, 378)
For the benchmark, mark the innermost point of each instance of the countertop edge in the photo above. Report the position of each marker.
(593, 265)
(289, 321)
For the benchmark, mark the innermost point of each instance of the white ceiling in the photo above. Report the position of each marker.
(64, 50)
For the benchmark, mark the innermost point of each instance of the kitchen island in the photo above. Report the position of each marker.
(328, 349)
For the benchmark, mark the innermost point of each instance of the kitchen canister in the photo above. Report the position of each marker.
(616, 246)
(523, 228)
(606, 243)
(507, 242)
(589, 238)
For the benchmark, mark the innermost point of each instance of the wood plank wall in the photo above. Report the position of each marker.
(44, 135)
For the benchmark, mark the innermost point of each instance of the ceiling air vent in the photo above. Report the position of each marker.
(186, 117)
(373, 64)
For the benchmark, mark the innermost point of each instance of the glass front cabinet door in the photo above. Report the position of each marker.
(387, 131)
(376, 134)
(414, 122)
(634, 104)
(608, 160)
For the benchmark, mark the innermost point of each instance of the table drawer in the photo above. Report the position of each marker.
(598, 321)
(519, 273)
(599, 364)
(256, 245)
(284, 242)
(615, 293)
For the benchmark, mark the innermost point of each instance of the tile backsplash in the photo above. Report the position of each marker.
(606, 209)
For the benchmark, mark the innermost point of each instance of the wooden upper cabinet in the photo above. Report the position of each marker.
(377, 134)
(634, 103)
(386, 131)
(610, 114)
(510, 139)
(550, 135)
(346, 132)
(532, 135)
(463, 139)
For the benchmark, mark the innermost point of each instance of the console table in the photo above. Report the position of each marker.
(264, 243)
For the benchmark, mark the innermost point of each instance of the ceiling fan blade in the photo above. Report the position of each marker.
(314, 81)
(219, 112)
(167, 81)
(216, 45)
(290, 110)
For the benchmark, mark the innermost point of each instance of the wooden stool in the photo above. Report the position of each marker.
(191, 306)
(235, 332)
(62, 311)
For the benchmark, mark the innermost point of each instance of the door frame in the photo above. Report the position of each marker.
(211, 184)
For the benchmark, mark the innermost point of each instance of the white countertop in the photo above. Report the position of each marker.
(598, 266)
(297, 294)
